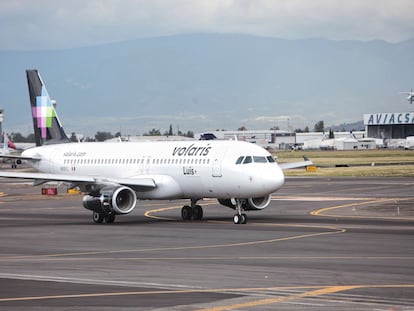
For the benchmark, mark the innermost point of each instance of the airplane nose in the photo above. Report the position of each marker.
(278, 177)
(272, 178)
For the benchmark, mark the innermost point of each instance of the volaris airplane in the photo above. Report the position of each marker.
(115, 176)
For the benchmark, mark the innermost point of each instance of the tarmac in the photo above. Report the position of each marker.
(322, 244)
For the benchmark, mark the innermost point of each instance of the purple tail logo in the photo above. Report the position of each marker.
(44, 112)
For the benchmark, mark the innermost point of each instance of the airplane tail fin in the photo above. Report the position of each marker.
(7, 141)
(46, 124)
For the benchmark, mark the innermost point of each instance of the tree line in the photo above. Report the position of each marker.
(102, 135)
(99, 136)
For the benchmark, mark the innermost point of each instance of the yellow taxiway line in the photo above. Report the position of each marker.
(315, 291)
(324, 212)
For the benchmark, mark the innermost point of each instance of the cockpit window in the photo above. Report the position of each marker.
(240, 160)
(247, 160)
(259, 159)
(255, 159)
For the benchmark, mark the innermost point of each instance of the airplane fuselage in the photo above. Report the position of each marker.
(180, 169)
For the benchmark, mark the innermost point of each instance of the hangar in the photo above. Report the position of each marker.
(392, 125)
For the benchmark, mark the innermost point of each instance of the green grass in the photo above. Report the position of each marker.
(327, 160)
(361, 171)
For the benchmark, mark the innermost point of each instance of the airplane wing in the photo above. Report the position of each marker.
(18, 157)
(40, 178)
(286, 166)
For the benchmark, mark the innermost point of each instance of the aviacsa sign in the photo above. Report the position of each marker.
(389, 118)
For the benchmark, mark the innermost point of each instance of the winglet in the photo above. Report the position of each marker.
(46, 124)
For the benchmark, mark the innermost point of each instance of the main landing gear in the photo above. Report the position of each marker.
(192, 212)
(239, 217)
(195, 212)
(99, 218)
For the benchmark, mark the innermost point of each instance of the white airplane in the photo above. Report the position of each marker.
(410, 97)
(10, 148)
(115, 175)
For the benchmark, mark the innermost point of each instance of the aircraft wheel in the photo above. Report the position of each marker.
(197, 212)
(186, 213)
(109, 219)
(97, 217)
(244, 218)
(237, 219)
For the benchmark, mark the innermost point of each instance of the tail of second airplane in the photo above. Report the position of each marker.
(46, 124)
(5, 144)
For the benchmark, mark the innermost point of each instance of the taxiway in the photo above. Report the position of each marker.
(324, 243)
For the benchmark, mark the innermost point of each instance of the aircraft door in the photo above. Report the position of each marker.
(217, 167)
(217, 162)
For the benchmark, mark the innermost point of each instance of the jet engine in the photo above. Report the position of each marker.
(117, 200)
(250, 204)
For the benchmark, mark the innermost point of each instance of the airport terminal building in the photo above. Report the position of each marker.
(392, 125)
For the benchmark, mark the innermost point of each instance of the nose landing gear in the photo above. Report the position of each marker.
(239, 218)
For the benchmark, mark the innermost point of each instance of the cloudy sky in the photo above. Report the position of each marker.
(51, 24)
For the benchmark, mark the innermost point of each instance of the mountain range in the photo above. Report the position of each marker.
(203, 82)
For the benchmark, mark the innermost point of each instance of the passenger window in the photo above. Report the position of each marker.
(240, 160)
(247, 160)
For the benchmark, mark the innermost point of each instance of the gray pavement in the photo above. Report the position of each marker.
(323, 244)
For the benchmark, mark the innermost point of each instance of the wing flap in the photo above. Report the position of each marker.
(135, 182)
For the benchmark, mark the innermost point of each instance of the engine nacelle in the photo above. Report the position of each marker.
(118, 200)
(257, 203)
(250, 204)
(226, 202)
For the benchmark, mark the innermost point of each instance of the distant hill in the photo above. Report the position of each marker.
(203, 82)
(355, 126)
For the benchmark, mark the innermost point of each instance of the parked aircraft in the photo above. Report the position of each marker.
(6, 144)
(8, 148)
(13, 147)
(115, 175)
